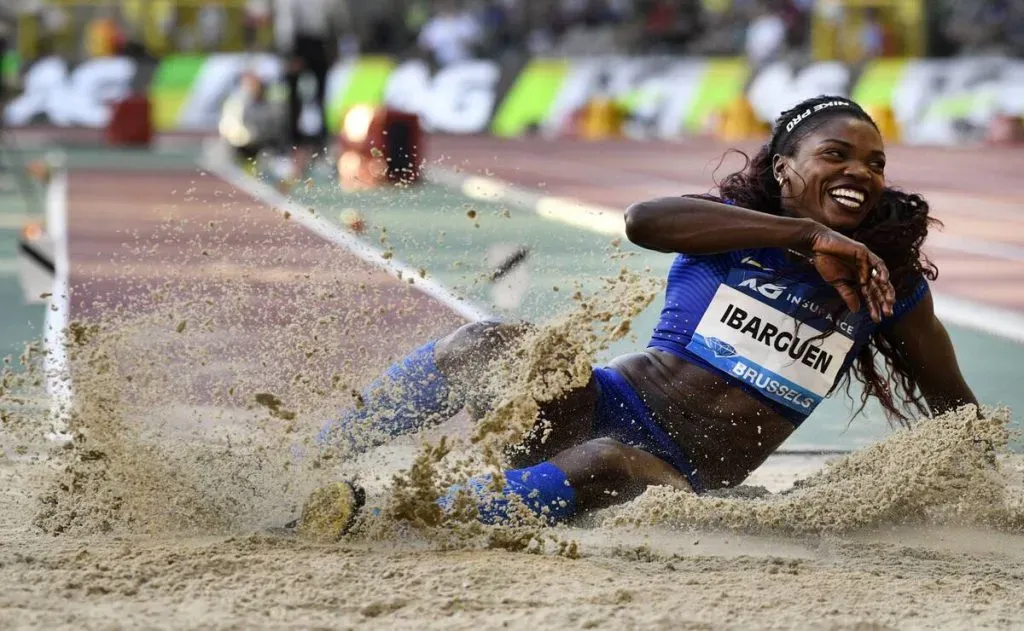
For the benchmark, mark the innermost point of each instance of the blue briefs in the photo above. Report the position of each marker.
(621, 414)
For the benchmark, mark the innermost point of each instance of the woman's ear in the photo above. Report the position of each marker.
(779, 164)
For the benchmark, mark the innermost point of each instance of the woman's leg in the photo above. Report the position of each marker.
(428, 386)
(594, 474)
(434, 382)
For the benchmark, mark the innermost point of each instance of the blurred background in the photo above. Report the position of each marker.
(847, 30)
(433, 118)
(944, 71)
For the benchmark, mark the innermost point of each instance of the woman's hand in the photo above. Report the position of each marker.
(854, 271)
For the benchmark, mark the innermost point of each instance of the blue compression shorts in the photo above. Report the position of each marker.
(622, 415)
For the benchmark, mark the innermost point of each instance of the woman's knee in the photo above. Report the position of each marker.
(614, 463)
(605, 457)
(474, 342)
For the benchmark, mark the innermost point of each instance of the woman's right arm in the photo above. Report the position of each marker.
(701, 226)
(692, 225)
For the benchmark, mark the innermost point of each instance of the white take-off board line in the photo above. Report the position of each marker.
(55, 362)
(214, 161)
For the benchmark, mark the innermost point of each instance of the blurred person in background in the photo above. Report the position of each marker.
(974, 26)
(1015, 29)
(210, 27)
(451, 35)
(797, 16)
(495, 22)
(417, 12)
(766, 34)
(257, 17)
(723, 29)
(670, 25)
(307, 34)
(250, 122)
(592, 27)
(383, 30)
(873, 36)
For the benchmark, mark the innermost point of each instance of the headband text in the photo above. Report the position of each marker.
(802, 116)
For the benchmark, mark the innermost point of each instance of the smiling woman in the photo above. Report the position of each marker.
(805, 270)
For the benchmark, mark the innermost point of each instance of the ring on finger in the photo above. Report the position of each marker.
(874, 272)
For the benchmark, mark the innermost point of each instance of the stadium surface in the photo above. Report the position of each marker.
(118, 196)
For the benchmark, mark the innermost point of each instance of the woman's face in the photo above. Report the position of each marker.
(837, 174)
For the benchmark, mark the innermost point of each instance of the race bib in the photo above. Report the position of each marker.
(769, 335)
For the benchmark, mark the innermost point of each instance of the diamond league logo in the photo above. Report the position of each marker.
(720, 348)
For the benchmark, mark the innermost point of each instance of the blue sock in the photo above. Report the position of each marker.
(543, 488)
(411, 394)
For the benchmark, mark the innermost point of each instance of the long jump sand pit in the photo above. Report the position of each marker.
(212, 337)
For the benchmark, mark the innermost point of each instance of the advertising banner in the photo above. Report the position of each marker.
(944, 101)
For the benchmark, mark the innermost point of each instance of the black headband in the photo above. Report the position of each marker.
(784, 130)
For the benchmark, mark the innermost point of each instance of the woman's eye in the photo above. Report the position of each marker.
(833, 153)
(878, 166)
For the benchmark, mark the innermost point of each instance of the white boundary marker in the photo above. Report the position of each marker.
(55, 363)
(969, 314)
(221, 166)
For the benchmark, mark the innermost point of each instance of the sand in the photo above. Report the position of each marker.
(192, 422)
(648, 578)
(138, 530)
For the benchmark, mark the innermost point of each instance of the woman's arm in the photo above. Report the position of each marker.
(926, 345)
(701, 226)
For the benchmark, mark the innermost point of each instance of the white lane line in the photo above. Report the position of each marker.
(608, 221)
(223, 168)
(56, 367)
(565, 210)
(576, 212)
(978, 316)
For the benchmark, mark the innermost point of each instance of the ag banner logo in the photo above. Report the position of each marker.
(459, 99)
(768, 290)
(80, 97)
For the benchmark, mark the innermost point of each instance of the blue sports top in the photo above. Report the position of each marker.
(753, 317)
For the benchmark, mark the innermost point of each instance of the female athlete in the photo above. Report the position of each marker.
(806, 270)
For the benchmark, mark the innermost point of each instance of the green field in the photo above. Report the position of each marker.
(19, 322)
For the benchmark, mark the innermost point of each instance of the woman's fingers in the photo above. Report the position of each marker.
(849, 295)
(886, 290)
(872, 287)
(878, 291)
(863, 259)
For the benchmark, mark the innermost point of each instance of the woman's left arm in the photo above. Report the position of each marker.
(929, 351)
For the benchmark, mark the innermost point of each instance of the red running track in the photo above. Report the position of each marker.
(978, 193)
(276, 300)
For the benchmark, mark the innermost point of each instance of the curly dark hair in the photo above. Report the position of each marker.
(894, 230)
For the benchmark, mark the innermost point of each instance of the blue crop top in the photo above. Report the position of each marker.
(743, 315)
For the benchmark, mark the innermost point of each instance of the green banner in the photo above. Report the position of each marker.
(530, 99)
(171, 87)
(366, 83)
(877, 83)
(723, 82)
(10, 64)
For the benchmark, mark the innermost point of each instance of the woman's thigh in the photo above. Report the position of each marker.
(465, 357)
(562, 423)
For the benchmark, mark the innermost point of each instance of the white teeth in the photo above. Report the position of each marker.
(848, 192)
(847, 197)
